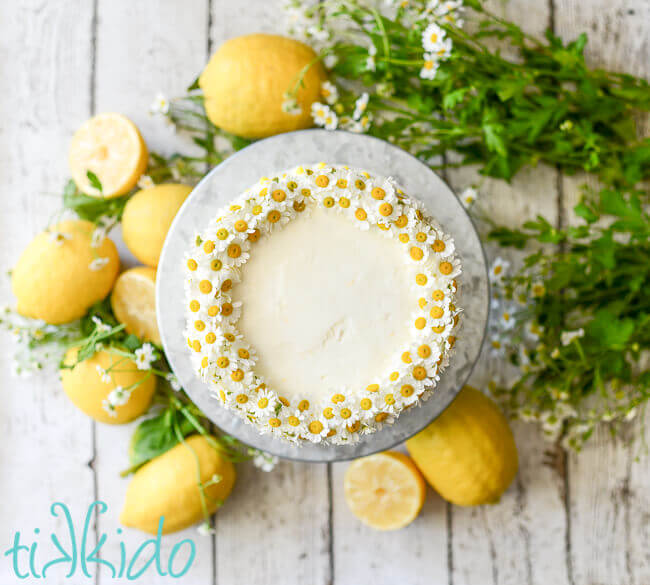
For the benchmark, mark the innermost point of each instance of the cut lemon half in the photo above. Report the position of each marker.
(134, 303)
(385, 491)
(109, 146)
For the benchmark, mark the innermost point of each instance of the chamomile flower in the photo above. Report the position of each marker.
(103, 374)
(264, 461)
(468, 197)
(429, 67)
(100, 326)
(432, 37)
(118, 396)
(360, 106)
(145, 182)
(329, 92)
(443, 51)
(566, 337)
(145, 356)
(160, 105)
(498, 270)
(173, 382)
(319, 113)
(264, 403)
(290, 105)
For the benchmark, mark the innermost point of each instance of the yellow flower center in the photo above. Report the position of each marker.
(446, 267)
(421, 279)
(406, 390)
(344, 202)
(438, 246)
(401, 221)
(216, 264)
(420, 323)
(381, 417)
(213, 311)
(366, 403)
(208, 246)
(338, 398)
(359, 184)
(322, 181)
(191, 264)
(438, 329)
(237, 376)
(273, 216)
(210, 337)
(316, 426)
(226, 309)
(263, 402)
(234, 251)
(346, 413)
(205, 286)
(328, 202)
(229, 336)
(424, 351)
(294, 421)
(199, 325)
(257, 209)
(275, 422)
(422, 302)
(328, 413)
(437, 312)
(223, 362)
(241, 398)
(241, 225)
(194, 306)
(222, 233)
(372, 387)
(299, 206)
(254, 235)
(416, 253)
(385, 209)
(438, 295)
(404, 238)
(389, 399)
(341, 183)
(378, 193)
(303, 405)
(243, 353)
(196, 345)
(406, 357)
(279, 195)
(393, 376)
(360, 214)
(419, 373)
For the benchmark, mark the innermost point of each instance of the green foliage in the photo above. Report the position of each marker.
(502, 100)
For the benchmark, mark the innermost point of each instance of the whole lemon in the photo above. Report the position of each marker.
(245, 82)
(85, 387)
(60, 274)
(167, 486)
(147, 218)
(468, 454)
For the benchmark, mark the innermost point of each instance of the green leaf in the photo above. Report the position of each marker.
(155, 436)
(610, 332)
(94, 181)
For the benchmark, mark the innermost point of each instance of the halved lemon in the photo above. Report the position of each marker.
(134, 302)
(110, 146)
(385, 491)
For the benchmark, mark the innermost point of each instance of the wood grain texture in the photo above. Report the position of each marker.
(143, 48)
(46, 443)
(276, 529)
(61, 61)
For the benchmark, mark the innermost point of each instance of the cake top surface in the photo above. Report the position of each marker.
(320, 303)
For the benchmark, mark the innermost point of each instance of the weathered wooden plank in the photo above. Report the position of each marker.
(144, 48)
(416, 555)
(607, 491)
(520, 540)
(275, 527)
(46, 442)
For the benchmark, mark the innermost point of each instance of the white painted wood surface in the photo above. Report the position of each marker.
(581, 520)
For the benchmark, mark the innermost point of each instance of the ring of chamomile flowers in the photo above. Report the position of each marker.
(226, 362)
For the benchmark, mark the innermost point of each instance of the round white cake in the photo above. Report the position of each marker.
(320, 303)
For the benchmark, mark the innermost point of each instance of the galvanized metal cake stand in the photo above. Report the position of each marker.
(274, 154)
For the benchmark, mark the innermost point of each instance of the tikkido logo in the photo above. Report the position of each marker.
(81, 556)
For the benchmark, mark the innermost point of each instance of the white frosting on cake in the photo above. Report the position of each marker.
(320, 303)
(327, 313)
